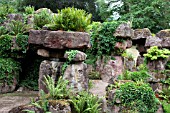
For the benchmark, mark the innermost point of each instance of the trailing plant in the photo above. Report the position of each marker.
(22, 42)
(71, 55)
(137, 96)
(154, 53)
(71, 19)
(17, 27)
(85, 103)
(3, 30)
(102, 39)
(42, 18)
(58, 91)
(5, 45)
(9, 69)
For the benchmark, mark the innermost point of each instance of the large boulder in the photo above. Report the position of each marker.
(76, 75)
(59, 39)
(124, 31)
(153, 41)
(163, 33)
(141, 33)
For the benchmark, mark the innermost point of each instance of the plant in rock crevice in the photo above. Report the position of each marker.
(71, 55)
(154, 53)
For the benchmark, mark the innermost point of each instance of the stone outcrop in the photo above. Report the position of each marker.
(110, 69)
(59, 39)
(163, 33)
(124, 31)
(153, 41)
(141, 34)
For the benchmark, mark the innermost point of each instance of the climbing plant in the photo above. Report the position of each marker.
(9, 69)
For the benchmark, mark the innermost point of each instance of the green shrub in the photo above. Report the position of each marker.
(137, 97)
(3, 30)
(17, 27)
(22, 42)
(42, 18)
(166, 107)
(5, 45)
(71, 19)
(154, 53)
(29, 10)
(9, 69)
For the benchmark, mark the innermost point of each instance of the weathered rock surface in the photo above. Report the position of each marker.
(123, 45)
(51, 68)
(59, 106)
(51, 53)
(124, 30)
(166, 42)
(110, 69)
(141, 33)
(157, 64)
(5, 87)
(59, 39)
(153, 41)
(77, 77)
(16, 17)
(163, 33)
(80, 56)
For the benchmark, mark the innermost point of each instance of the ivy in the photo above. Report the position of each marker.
(9, 69)
(5, 45)
(22, 42)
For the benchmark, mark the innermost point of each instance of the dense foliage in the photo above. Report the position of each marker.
(152, 14)
(9, 70)
(137, 97)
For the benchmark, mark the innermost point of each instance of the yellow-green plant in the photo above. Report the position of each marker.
(29, 10)
(154, 53)
(71, 19)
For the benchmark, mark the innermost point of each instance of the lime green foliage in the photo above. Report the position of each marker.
(137, 96)
(127, 55)
(3, 30)
(29, 10)
(71, 19)
(71, 56)
(9, 69)
(22, 42)
(166, 107)
(85, 103)
(154, 53)
(17, 27)
(58, 91)
(5, 45)
(94, 75)
(42, 18)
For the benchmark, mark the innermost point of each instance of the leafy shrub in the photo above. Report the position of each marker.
(9, 69)
(3, 30)
(5, 45)
(155, 53)
(166, 107)
(85, 103)
(22, 42)
(42, 18)
(168, 65)
(29, 10)
(71, 19)
(137, 97)
(17, 27)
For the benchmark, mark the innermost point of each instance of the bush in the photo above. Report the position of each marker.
(137, 97)
(9, 69)
(71, 19)
(5, 45)
(41, 18)
(154, 53)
